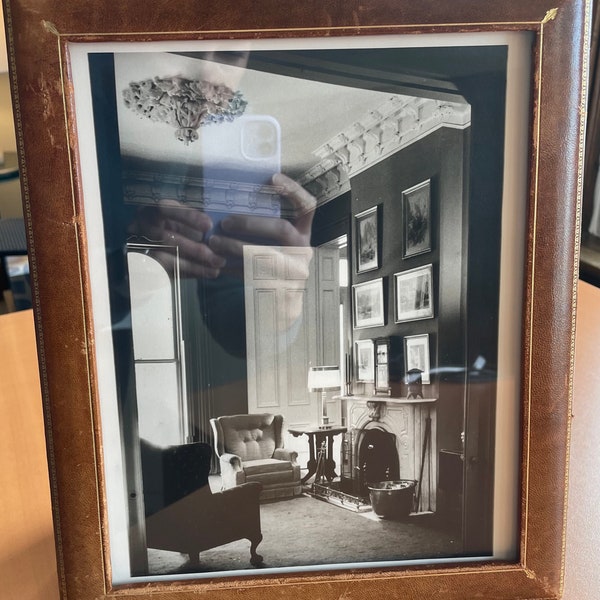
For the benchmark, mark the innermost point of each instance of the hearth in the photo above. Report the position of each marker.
(390, 439)
(368, 456)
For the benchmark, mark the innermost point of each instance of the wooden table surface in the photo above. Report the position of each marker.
(27, 556)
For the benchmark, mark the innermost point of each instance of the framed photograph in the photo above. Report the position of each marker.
(382, 365)
(368, 304)
(416, 352)
(366, 227)
(413, 292)
(190, 179)
(365, 361)
(416, 205)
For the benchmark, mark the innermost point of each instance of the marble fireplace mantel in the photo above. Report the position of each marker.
(389, 399)
(411, 420)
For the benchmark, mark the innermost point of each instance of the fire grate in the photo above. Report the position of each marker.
(330, 492)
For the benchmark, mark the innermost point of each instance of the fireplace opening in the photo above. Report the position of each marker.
(373, 458)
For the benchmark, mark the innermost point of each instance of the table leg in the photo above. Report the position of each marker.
(325, 440)
(312, 460)
(330, 472)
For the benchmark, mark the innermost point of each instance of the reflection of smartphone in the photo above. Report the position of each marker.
(239, 159)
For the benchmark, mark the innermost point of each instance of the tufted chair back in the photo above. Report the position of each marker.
(251, 437)
(250, 449)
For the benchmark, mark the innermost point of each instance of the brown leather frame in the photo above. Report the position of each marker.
(37, 36)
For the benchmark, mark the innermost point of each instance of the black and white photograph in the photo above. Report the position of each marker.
(414, 294)
(416, 351)
(230, 225)
(365, 361)
(367, 240)
(369, 304)
(416, 203)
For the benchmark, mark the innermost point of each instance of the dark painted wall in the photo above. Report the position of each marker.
(439, 157)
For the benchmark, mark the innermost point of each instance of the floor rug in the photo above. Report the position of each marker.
(305, 531)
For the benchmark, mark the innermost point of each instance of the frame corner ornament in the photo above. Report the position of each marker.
(50, 28)
(550, 16)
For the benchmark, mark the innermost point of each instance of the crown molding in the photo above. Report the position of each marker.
(394, 125)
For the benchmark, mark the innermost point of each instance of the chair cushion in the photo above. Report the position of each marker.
(251, 437)
(266, 465)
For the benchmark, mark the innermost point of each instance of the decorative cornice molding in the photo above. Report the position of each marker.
(210, 195)
(394, 125)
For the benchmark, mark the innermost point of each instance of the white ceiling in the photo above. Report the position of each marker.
(310, 113)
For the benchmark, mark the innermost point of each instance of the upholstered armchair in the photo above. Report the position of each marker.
(250, 449)
(183, 515)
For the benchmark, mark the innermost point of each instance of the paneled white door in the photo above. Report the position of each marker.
(292, 307)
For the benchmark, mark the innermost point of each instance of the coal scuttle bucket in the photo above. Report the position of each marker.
(392, 499)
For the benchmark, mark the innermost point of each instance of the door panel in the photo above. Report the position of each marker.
(292, 323)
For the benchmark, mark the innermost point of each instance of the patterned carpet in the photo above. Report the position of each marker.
(305, 531)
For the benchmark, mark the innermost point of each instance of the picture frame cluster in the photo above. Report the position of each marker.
(412, 293)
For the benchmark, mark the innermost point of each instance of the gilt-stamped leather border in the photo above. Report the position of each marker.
(53, 209)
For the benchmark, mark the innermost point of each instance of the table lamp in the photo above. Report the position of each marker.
(324, 379)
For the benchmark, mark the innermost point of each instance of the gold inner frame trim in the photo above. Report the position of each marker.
(520, 566)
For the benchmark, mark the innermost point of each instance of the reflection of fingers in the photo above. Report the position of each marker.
(187, 267)
(192, 217)
(184, 220)
(298, 196)
(303, 202)
(296, 262)
(226, 246)
(172, 226)
(278, 231)
(196, 252)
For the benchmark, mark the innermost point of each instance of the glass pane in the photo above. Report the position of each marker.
(157, 391)
(152, 310)
(240, 167)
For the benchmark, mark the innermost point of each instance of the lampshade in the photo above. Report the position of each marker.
(323, 379)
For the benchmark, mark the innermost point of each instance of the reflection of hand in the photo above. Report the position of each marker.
(275, 235)
(286, 241)
(171, 223)
(238, 230)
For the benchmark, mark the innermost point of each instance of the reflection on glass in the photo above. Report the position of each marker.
(230, 184)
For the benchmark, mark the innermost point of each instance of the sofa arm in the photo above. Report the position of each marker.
(283, 454)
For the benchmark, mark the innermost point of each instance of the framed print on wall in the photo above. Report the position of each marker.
(367, 240)
(368, 304)
(190, 283)
(416, 205)
(365, 361)
(382, 366)
(416, 352)
(413, 294)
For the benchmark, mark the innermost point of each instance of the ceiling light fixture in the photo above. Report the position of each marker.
(185, 104)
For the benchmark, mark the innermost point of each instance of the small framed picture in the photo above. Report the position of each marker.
(416, 207)
(413, 292)
(382, 373)
(368, 304)
(366, 228)
(365, 361)
(417, 355)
